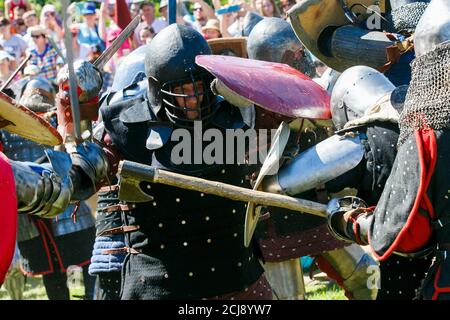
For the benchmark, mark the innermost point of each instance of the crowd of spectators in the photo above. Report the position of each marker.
(26, 29)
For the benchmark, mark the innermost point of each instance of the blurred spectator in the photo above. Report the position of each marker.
(147, 11)
(135, 7)
(19, 26)
(89, 33)
(49, 21)
(18, 12)
(81, 51)
(43, 55)
(11, 43)
(232, 24)
(269, 9)
(285, 5)
(6, 66)
(146, 35)
(10, 5)
(30, 18)
(202, 12)
(211, 30)
(320, 68)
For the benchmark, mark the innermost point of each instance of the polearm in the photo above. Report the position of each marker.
(73, 94)
(132, 174)
(20, 67)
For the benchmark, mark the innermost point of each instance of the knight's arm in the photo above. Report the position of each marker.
(47, 189)
(332, 158)
(76, 174)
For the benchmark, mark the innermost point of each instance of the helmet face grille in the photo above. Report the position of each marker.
(189, 99)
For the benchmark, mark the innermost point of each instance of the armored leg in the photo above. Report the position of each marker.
(354, 270)
(286, 279)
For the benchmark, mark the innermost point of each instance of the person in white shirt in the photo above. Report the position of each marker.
(147, 11)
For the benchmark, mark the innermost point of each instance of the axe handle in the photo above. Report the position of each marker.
(155, 175)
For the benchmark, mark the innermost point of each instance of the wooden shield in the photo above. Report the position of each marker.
(18, 119)
(314, 22)
(235, 46)
(269, 167)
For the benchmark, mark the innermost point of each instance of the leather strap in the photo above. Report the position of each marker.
(123, 250)
(121, 229)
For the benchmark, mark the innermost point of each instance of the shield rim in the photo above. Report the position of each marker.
(26, 123)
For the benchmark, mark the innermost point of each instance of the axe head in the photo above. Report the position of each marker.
(134, 181)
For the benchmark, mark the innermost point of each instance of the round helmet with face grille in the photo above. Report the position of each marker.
(176, 83)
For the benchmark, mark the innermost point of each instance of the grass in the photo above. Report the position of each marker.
(35, 290)
(315, 290)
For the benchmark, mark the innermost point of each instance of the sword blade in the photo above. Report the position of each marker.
(11, 77)
(117, 43)
(74, 103)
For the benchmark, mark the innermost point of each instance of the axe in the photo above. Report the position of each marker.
(132, 174)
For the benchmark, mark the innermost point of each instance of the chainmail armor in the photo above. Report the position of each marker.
(405, 18)
(427, 103)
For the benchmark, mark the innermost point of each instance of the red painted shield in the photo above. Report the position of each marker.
(276, 87)
(8, 216)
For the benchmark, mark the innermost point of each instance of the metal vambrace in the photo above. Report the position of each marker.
(40, 190)
(89, 170)
(357, 272)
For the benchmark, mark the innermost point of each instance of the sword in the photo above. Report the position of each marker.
(117, 43)
(132, 174)
(11, 77)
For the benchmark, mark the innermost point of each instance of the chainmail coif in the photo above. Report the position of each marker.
(427, 103)
(405, 18)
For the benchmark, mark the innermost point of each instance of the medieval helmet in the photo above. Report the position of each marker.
(169, 65)
(405, 14)
(273, 39)
(433, 28)
(357, 89)
(251, 19)
(130, 70)
(38, 95)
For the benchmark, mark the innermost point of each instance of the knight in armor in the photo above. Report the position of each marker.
(286, 236)
(182, 244)
(48, 247)
(411, 217)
